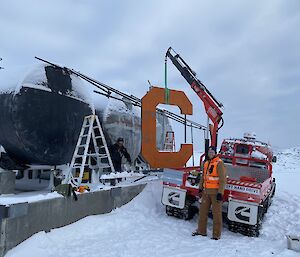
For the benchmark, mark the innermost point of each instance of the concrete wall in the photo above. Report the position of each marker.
(7, 182)
(20, 221)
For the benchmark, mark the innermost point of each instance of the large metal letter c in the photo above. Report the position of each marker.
(155, 158)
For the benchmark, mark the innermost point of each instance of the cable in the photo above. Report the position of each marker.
(131, 98)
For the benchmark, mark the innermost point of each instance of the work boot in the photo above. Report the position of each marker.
(215, 238)
(196, 233)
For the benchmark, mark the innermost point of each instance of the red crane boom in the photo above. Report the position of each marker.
(211, 104)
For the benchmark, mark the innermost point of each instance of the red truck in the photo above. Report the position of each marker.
(248, 191)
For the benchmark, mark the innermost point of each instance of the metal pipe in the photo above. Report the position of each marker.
(192, 139)
(185, 128)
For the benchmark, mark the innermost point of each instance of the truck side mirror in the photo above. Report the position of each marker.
(274, 159)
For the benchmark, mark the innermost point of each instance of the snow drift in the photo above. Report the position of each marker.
(141, 228)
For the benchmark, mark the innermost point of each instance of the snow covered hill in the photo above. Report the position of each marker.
(287, 171)
(141, 228)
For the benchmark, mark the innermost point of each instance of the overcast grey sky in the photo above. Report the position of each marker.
(246, 52)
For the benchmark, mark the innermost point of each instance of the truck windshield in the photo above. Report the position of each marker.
(242, 149)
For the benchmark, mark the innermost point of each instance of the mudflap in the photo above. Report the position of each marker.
(245, 218)
(173, 197)
(242, 212)
(178, 204)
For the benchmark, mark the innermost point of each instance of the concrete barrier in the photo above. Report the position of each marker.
(7, 182)
(20, 221)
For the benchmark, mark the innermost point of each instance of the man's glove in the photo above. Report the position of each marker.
(219, 197)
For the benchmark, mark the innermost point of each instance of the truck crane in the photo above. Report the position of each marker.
(211, 104)
(250, 185)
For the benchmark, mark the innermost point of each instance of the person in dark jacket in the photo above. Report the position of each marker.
(117, 151)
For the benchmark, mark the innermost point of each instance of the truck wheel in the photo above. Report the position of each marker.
(266, 206)
(189, 210)
(254, 232)
(169, 211)
(232, 226)
(273, 193)
(186, 212)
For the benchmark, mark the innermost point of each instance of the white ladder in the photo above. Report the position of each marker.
(169, 144)
(90, 150)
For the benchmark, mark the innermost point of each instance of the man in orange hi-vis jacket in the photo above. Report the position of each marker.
(211, 186)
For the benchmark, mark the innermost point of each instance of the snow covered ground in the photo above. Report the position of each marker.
(141, 228)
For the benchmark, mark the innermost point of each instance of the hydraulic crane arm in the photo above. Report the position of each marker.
(211, 104)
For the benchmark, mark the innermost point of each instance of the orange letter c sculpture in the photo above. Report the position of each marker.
(155, 158)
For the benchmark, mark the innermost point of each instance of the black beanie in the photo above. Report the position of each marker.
(120, 139)
(213, 148)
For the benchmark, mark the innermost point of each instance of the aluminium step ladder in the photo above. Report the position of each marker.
(91, 154)
(169, 145)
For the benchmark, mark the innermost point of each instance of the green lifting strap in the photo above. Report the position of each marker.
(167, 91)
